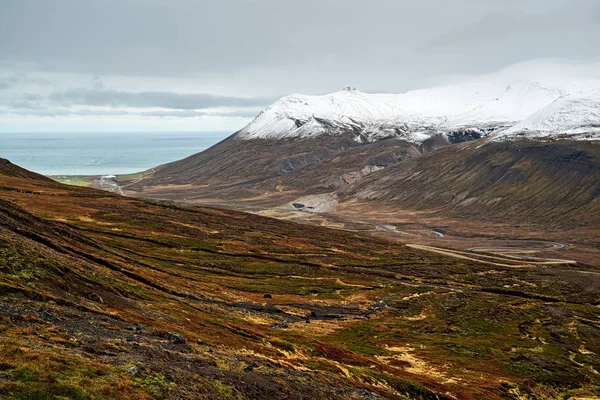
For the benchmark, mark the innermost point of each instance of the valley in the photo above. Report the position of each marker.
(150, 299)
(392, 160)
(474, 215)
(299, 200)
(340, 259)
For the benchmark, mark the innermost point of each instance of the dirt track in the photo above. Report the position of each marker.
(506, 256)
(466, 256)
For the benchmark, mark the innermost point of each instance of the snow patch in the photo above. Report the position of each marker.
(413, 116)
(576, 116)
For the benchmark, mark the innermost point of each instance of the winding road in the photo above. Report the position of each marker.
(505, 255)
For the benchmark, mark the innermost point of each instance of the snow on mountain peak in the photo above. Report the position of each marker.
(576, 116)
(413, 116)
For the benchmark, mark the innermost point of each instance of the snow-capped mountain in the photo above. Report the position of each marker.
(482, 107)
(576, 116)
(337, 146)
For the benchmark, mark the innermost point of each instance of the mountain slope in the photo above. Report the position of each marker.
(9, 169)
(295, 146)
(283, 168)
(109, 297)
(574, 117)
(554, 183)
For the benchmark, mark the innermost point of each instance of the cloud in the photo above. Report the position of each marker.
(7, 82)
(169, 100)
(19, 79)
(28, 110)
(196, 114)
(307, 46)
(186, 57)
(554, 30)
(98, 102)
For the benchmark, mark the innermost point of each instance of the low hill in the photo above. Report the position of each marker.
(112, 297)
(283, 168)
(9, 169)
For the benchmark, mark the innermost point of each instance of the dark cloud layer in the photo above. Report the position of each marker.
(112, 103)
(54, 112)
(14, 80)
(372, 43)
(169, 100)
(109, 57)
(86, 102)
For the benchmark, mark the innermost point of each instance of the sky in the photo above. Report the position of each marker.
(147, 65)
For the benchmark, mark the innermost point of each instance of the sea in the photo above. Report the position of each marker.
(107, 153)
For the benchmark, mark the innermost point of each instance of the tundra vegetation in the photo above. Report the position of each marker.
(103, 296)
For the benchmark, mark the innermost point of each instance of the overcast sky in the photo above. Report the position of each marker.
(95, 65)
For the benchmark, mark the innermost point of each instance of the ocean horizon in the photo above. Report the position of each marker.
(101, 153)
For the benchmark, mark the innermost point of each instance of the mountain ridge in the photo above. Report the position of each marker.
(413, 116)
(576, 116)
(310, 144)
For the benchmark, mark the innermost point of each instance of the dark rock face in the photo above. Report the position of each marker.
(469, 134)
(95, 297)
(250, 367)
(464, 136)
(135, 328)
(176, 338)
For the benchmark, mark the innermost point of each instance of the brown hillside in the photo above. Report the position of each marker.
(553, 184)
(109, 297)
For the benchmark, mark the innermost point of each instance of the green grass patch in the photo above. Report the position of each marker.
(74, 180)
(361, 339)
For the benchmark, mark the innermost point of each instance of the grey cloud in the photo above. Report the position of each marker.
(7, 82)
(503, 36)
(288, 45)
(23, 104)
(85, 102)
(97, 83)
(170, 100)
(259, 49)
(26, 101)
(54, 112)
(194, 114)
(15, 80)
